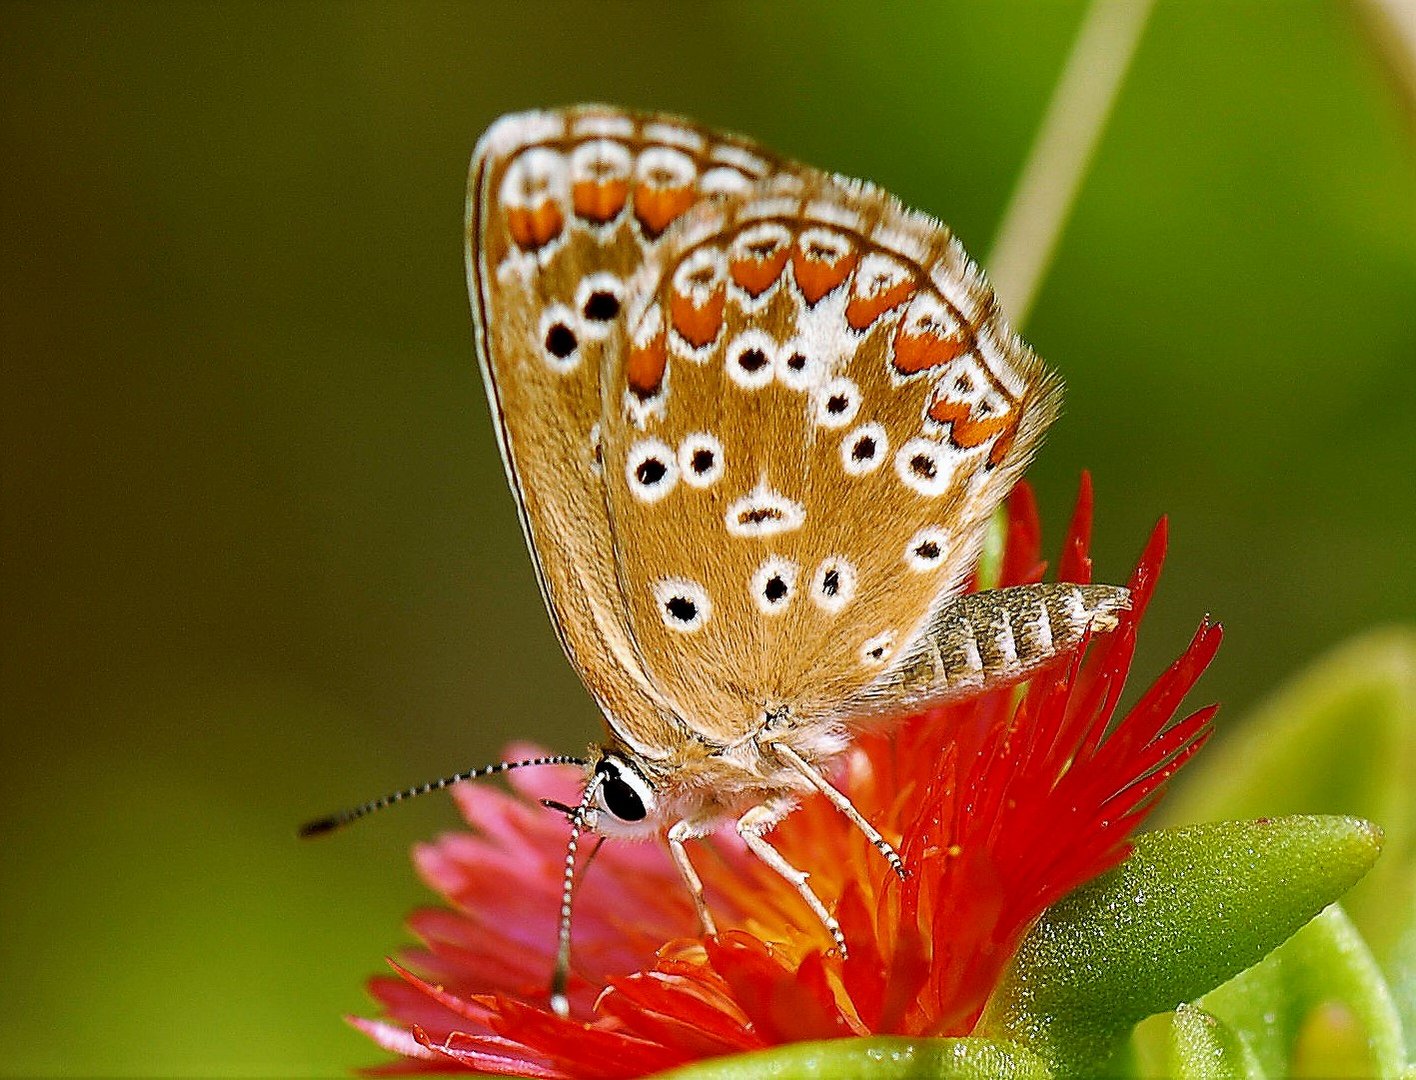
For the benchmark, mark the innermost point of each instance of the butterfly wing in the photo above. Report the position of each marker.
(817, 410)
(563, 207)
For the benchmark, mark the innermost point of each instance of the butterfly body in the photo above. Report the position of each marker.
(704, 783)
(756, 418)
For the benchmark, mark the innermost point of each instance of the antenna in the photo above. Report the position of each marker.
(560, 976)
(323, 825)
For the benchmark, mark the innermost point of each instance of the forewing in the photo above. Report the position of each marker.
(818, 408)
(564, 207)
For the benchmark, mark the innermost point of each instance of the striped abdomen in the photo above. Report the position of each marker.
(986, 639)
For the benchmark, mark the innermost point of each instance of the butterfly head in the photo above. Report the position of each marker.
(624, 800)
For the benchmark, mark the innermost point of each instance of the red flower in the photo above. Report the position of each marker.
(1000, 805)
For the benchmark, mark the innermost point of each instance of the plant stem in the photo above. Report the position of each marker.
(1063, 149)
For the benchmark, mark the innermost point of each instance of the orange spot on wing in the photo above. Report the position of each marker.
(1004, 442)
(965, 431)
(599, 200)
(656, 208)
(861, 311)
(698, 325)
(818, 271)
(534, 227)
(917, 351)
(644, 370)
(756, 274)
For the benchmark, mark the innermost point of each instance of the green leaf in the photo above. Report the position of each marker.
(1338, 739)
(1198, 1045)
(1189, 909)
(878, 1059)
(990, 559)
(1281, 1005)
(1401, 969)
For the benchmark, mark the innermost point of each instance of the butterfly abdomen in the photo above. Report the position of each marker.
(987, 639)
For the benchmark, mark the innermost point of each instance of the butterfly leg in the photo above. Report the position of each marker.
(844, 805)
(750, 827)
(676, 836)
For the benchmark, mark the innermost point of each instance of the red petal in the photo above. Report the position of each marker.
(1075, 564)
(757, 981)
(1022, 551)
(1142, 583)
(488, 1054)
(677, 1011)
(582, 1049)
(395, 1040)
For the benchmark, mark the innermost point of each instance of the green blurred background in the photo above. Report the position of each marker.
(258, 557)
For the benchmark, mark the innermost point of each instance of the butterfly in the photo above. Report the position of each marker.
(756, 419)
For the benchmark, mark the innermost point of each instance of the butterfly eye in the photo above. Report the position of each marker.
(623, 792)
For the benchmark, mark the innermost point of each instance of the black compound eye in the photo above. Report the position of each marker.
(619, 797)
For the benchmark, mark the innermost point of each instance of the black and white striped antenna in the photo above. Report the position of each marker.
(334, 821)
(560, 974)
